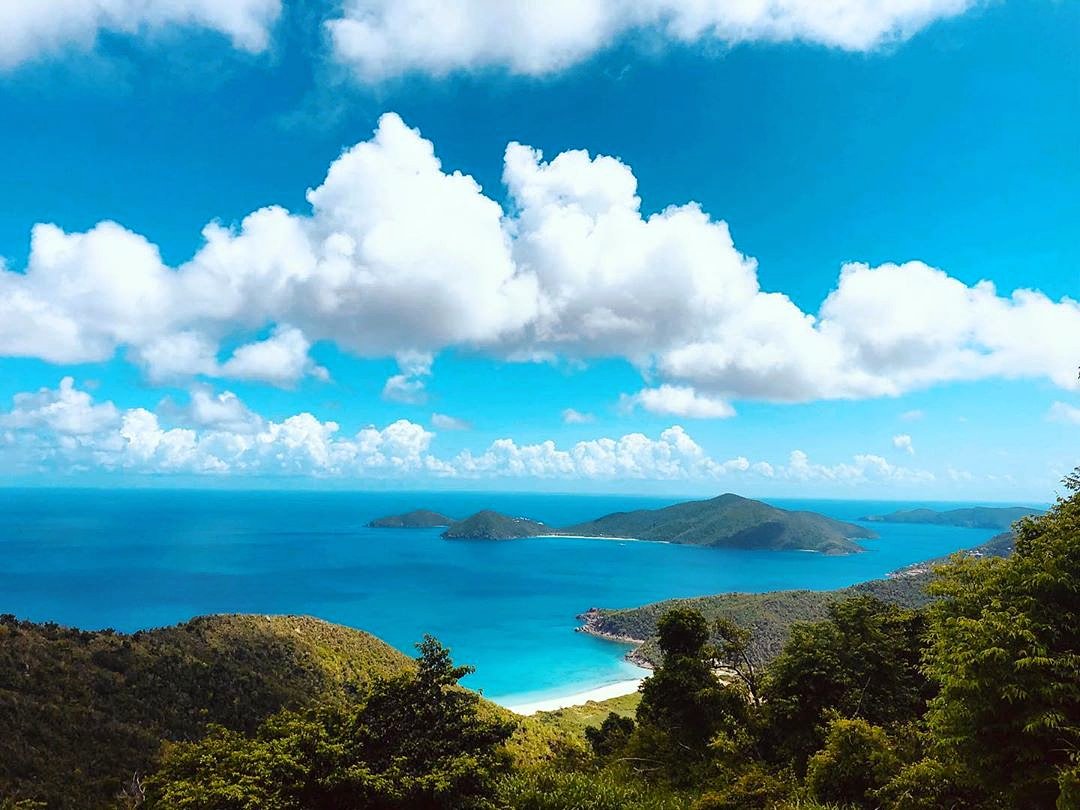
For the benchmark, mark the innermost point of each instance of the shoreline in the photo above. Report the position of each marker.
(611, 690)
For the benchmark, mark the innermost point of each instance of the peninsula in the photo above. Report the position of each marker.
(769, 616)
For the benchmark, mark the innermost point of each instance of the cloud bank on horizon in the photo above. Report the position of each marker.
(399, 257)
(217, 434)
(381, 39)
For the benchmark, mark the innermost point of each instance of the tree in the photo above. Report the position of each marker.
(734, 651)
(862, 661)
(856, 761)
(611, 736)
(417, 741)
(1004, 647)
(684, 706)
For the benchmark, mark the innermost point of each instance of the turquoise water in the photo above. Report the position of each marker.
(131, 559)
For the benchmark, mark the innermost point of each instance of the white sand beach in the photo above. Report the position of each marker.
(600, 693)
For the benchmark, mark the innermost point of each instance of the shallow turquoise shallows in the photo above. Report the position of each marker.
(133, 559)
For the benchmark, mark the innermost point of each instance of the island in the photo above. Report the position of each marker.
(416, 519)
(730, 521)
(974, 517)
(491, 525)
(726, 521)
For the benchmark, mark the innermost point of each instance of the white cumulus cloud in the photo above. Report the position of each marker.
(400, 257)
(34, 28)
(446, 422)
(673, 400)
(572, 416)
(383, 38)
(64, 430)
(902, 441)
(64, 410)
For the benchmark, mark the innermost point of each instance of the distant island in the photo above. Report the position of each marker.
(730, 521)
(727, 521)
(491, 525)
(974, 517)
(416, 519)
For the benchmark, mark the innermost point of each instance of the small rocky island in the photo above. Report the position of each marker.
(975, 517)
(727, 521)
(416, 519)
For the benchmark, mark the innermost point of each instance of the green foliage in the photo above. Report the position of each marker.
(82, 712)
(974, 517)
(490, 525)
(574, 720)
(611, 736)
(604, 790)
(756, 788)
(683, 699)
(1069, 786)
(857, 760)
(417, 741)
(930, 785)
(1004, 645)
(416, 519)
(735, 651)
(768, 617)
(863, 660)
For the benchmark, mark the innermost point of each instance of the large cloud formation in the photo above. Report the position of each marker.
(35, 27)
(383, 38)
(399, 257)
(64, 429)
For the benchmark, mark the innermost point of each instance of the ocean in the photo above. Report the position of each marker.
(131, 559)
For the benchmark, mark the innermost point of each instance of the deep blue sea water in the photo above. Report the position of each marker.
(131, 559)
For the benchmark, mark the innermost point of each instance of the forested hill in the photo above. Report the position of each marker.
(730, 521)
(491, 525)
(769, 616)
(88, 710)
(975, 517)
(416, 519)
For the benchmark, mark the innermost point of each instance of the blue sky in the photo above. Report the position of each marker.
(820, 323)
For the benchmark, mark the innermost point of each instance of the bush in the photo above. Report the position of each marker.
(754, 789)
(928, 785)
(858, 759)
(606, 790)
(611, 736)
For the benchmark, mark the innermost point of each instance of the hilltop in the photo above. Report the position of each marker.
(730, 521)
(491, 525)
(88, 710)
(416, 519)
(974, 517)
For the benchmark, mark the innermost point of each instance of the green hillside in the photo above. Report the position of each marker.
(769, 616)
(416, 519)
(491, 525)
(975, 517)
(88, 710)
(730, 521)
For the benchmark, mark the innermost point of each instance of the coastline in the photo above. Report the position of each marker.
(612, 690)
(596, 537)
